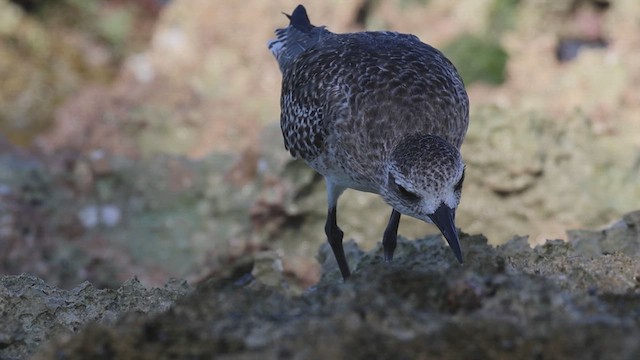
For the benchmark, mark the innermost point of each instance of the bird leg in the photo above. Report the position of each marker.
(390, 237)
(334, 235)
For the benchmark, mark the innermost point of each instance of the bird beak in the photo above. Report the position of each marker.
(443, 218)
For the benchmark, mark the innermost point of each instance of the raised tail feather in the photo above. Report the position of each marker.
(293, 40)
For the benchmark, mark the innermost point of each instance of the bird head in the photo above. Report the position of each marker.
(424, 181)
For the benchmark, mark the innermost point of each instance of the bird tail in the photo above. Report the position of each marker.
(296, 38)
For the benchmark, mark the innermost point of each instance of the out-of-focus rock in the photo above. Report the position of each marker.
(51, 50)
(207, 81)
(183, 94)
(39, 68)
(25, 211)
(489, 64)
(106, 218)
(599, 83)
(33, 312)
(527, 172)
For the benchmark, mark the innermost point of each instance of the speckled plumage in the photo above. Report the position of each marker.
(355, 106)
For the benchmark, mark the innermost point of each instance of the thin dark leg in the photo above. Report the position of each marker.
(334, 235)
(390, 237)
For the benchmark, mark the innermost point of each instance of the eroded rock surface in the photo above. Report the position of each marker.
(32, 312)
(574, 299)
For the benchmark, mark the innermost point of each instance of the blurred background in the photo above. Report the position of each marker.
(141, 137)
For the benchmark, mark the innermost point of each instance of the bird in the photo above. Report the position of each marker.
(374, 111)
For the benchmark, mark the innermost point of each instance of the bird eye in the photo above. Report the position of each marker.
(458, 186)
(406, 194)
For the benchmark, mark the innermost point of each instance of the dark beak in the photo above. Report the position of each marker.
(443, 219)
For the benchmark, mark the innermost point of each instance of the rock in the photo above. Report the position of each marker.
(32, 312)
(490, 59)
(555, 300)
(69, 218)
(623, 236)
(201, 85)
(182, 94)
(40, 68)
(534, 172)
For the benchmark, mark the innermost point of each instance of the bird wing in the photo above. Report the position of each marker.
(311, 99)
(380, 83)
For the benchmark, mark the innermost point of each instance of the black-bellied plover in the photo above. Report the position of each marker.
(379, 112)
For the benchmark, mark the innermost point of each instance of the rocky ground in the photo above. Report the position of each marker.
(576, 299)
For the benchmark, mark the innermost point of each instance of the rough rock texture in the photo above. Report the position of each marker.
(32, 312)
(578, 299)
(182, 94)
(38, 71)
(53, 50)
(534, 173)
